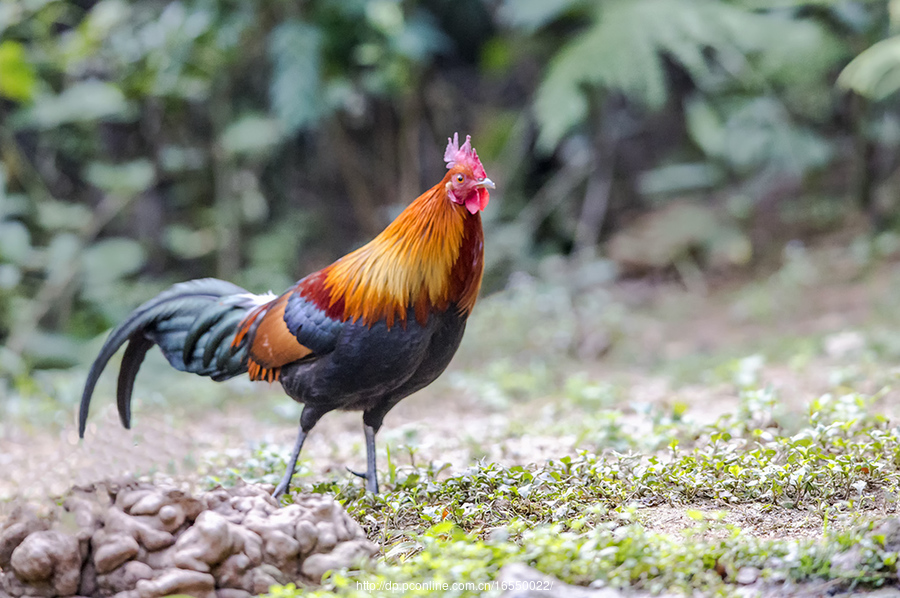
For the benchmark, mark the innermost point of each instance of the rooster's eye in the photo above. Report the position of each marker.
(460, 178)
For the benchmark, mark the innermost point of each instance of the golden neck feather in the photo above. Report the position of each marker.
(431, 256)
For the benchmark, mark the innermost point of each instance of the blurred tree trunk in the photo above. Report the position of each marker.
(409, 158)
(150, 208)
(359, 181)
(599, 184)
(226, 206)
(863, 160)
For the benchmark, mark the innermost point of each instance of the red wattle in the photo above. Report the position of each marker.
(478, 200)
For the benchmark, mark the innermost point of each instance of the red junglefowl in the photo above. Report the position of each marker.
(361, 334)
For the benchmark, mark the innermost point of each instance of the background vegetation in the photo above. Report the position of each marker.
(144, 142)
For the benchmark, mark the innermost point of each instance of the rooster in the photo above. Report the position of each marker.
(361, 334)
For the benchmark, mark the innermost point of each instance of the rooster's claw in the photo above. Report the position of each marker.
(358, 474)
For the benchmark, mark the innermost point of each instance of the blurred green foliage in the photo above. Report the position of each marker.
(148, 141)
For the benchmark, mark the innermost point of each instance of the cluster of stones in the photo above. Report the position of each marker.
(137, 540)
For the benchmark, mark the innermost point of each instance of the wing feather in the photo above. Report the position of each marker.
(273, 344)
(310, 324)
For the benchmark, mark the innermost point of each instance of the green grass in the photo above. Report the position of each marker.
(615, 552)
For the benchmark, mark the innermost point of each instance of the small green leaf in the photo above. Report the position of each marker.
(58, 215)
(440, 529)
(189, 244)
(110, 259)
(252, 134)
(875, 73)
(705, 126)
(85, 101)
(17, 77)
(531, 15)
(15, 243)
(129, 178)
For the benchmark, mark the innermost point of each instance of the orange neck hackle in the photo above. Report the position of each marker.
(431, 256)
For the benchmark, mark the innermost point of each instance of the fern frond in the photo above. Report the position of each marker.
(624, 48)
(875, 73)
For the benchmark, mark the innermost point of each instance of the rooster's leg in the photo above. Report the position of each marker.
(308, 419)
(371, 423)
(295, 454)
(371, 475)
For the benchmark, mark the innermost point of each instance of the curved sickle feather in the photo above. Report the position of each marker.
(131, 362)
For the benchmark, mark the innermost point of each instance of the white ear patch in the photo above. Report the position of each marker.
(451, 194)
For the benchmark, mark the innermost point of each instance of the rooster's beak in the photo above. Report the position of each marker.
(487, 183)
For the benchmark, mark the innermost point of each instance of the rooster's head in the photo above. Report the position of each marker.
(467, 183)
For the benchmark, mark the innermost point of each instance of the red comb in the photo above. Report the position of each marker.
(465, 155)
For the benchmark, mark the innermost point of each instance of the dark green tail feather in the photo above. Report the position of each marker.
(131, 362)
(192, 322)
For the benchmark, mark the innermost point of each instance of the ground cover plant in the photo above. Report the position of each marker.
(590, 518)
